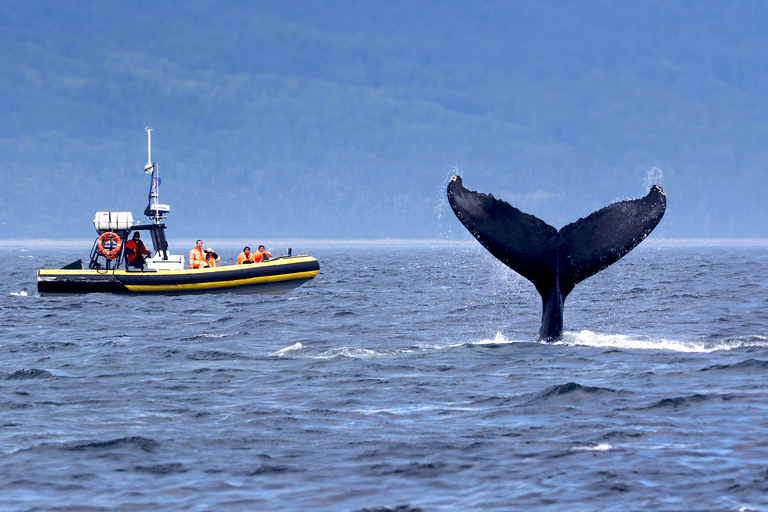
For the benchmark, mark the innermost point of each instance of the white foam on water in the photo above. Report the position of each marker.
(499, 339)
(573, 339)
(602, 447)
(622, 341)
(362, 353)
(287, 350)
(406, 410)
(20, 294)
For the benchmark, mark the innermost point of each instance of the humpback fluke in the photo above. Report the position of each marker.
(555, 261)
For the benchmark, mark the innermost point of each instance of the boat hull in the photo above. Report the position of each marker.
(275, 276)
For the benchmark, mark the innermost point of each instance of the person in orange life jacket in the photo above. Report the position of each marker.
(261, 255)
(196, 256)
(135, 250)
(211, 258)
(245, 256)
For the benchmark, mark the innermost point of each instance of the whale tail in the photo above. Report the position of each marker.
(555, 261)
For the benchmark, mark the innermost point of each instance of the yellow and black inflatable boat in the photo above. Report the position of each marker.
(164, 273)
(278, 275)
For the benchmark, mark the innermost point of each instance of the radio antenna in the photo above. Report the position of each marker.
(149, 166)
(154, 210)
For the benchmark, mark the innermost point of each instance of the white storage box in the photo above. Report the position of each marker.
(113, 221)
(172, 263)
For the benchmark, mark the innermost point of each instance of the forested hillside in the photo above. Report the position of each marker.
(344, 119)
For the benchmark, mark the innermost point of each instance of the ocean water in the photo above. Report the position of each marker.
(403, 378)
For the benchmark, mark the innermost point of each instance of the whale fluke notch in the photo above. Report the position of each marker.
(556, 261)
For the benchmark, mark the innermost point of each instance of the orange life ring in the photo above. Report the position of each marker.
(109, 236)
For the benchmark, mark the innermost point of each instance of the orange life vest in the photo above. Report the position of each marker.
(258, 256)
(243, 257)
(211, 261)
(196, 258)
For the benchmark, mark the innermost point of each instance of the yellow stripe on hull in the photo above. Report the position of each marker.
(221, 284)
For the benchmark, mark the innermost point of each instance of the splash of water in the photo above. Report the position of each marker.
(442, 208)
(654, 177)
(499, 339)
(622, 341)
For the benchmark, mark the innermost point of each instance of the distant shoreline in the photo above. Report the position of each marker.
(298, 243)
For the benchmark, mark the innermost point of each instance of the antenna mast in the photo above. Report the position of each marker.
(154, 211)
(149, 166)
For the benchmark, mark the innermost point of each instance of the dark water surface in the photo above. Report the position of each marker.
(402, 378)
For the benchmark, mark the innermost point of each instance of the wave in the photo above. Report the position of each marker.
(499, 339)
(581, 339)
(208, 336)
(747, 366)
(349, 352)
(287, 350)
(569, 392)
(29, 373)
(602, 447)
(413, 470)
(162, 469)
(679, 402)
(273, 470)
(635, 342)
(344, 313)
(133, 442)
(639, 342)
(216, 355)
(298, 349)
(399, 508)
